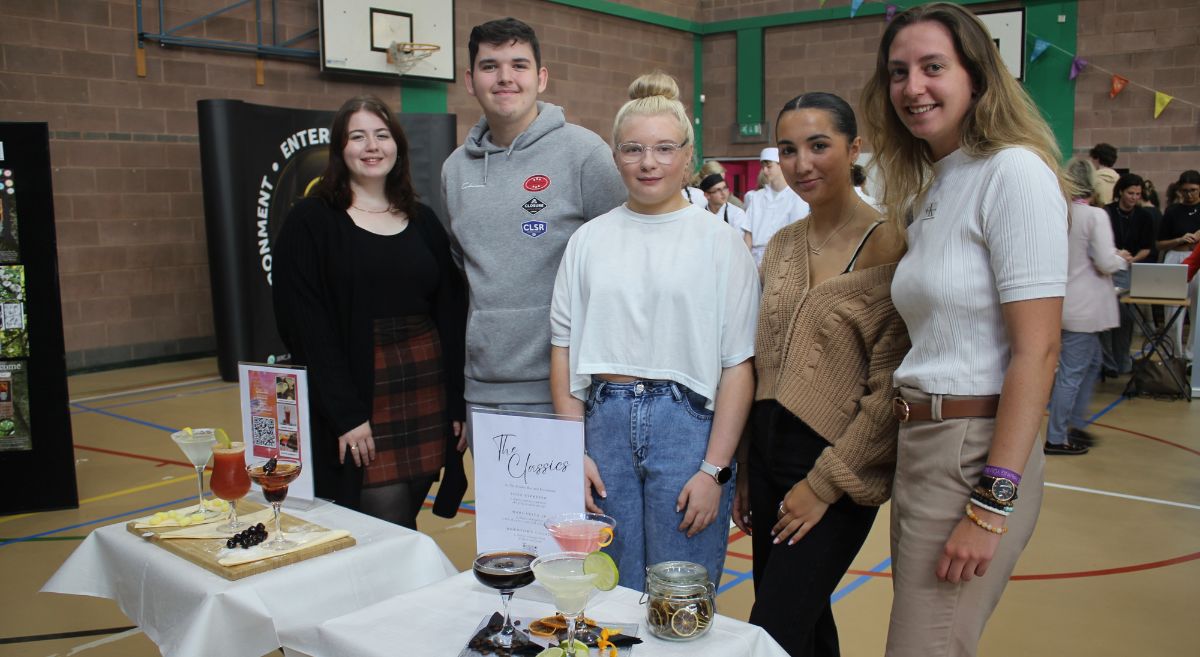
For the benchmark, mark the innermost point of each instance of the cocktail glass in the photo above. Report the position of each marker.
(505, 571)
(581, 532)
(274, 476)
(229, 481)
(197, 447)
(562, 575)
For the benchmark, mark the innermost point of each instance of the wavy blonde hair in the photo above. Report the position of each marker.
(1002, 114)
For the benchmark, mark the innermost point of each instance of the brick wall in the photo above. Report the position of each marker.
(128, 203)
(1153, 43)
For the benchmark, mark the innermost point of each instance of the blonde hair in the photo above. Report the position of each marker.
(1002, 114)
(654, 94)
(707, 169)
(1079, 176)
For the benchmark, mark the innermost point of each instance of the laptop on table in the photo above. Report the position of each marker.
(1151, 280)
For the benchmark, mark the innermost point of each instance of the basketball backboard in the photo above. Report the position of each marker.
(356, 34)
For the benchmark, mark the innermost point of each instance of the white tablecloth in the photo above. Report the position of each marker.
(439, 620)
(188, 611)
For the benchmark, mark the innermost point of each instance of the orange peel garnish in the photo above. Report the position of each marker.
(602, 643)
(606, 536)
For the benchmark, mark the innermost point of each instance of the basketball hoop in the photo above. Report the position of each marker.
(403, 56)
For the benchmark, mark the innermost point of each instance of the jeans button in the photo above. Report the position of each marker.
(639, 389)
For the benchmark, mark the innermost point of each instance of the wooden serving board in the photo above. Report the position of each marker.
(203, 551)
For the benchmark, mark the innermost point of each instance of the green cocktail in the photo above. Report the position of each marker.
(570, 577)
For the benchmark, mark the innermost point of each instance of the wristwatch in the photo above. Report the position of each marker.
(1002, 489)
(719, 474)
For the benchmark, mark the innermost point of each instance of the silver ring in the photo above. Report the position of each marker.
(355, 448)
(781, 511)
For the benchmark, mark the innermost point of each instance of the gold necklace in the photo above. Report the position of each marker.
(387, 209)
(817, 249)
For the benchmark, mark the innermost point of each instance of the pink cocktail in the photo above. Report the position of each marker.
(581, 532)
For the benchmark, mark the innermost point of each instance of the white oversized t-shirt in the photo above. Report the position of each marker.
(671, 296)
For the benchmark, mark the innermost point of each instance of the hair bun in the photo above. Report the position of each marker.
(653, 84)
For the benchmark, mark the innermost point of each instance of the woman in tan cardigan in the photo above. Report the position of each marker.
(823, 444)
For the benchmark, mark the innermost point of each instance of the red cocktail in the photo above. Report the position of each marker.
(229, 480)
(274, 478)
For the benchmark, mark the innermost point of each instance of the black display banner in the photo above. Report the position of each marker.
(37, 458)
(256, 162)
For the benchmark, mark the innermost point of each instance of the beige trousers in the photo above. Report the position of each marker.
(937, 465)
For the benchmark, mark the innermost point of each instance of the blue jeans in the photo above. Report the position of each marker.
(1078, 367)
(648, 438)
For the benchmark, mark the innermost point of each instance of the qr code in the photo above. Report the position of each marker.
(263, 429)
(14, 316)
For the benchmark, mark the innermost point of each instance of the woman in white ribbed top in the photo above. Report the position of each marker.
(969, 167)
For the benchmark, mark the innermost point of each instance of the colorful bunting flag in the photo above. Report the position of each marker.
(1077, 66)
(855, 5)
(1039, 47)
(891, 13)
(1118, 84)
(1161, 101)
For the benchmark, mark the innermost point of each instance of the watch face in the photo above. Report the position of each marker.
(724, 474)
(1003, 489)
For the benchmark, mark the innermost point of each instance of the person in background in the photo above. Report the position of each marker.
(823, 438)
(716, 190)
(653, 335)
(1132, 230)
(1179, 235)
(775, 206)
(859, 177)
(966, 157)
(709, 168)
(367, 298)
(515, 192)
(1103, 157)
(1089, 307)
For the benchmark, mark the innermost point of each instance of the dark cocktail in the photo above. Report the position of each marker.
(274, 478)
(505, 571)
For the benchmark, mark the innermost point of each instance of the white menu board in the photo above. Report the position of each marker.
(275, 420)
(528, 467)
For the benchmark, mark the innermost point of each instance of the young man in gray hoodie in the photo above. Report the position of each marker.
(515, 192)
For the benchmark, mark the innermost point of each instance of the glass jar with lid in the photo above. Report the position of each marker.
(680, 601)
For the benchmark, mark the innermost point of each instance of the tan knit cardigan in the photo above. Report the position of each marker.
(827, 355)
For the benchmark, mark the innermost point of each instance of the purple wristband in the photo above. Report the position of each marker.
(993, 471)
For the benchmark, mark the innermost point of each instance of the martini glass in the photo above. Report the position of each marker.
(197, 447)
(505, 571)
(562, 575)
(581, 532)
(229, 481)
(274, 476)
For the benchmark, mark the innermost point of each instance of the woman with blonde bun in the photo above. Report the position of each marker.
(653, 322)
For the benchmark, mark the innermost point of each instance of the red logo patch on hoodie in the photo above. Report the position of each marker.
(537, 183)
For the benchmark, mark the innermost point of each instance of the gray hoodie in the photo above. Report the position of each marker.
(510, 212)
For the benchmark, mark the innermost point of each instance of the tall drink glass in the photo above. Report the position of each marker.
(197, 447)
(505, 571)
(229, 481)
(274, 476)
(562, 575)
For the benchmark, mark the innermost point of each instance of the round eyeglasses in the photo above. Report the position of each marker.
(665, 152)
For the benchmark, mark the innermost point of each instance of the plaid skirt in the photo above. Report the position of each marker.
(408, 414)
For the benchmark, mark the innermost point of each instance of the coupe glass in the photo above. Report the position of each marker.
(562, 575)
(274, 476)
(505, 571)
(581, 532)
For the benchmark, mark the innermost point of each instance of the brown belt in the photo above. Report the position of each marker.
(951, 408)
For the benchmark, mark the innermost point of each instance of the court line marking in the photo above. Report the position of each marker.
(190, 393)
(880, 567)
(105, 496)
(138, 391)
(118, 416)
(1124, 496)
(100, 642)
(94, 522)
(65, 635)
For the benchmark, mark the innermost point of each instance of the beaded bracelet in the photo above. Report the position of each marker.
(996, 471)
(984, 495)
(988, 507)
(983, 524)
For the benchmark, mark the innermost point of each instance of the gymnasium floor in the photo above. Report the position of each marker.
(1113, 569)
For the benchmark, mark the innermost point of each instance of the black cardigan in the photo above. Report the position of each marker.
(314, 280)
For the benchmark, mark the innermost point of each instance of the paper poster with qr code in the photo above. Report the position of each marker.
(275, 419)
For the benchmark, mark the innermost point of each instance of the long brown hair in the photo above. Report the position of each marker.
(1002, 114)
(334, 185)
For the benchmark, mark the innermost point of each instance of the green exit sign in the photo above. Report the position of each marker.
(750, 129)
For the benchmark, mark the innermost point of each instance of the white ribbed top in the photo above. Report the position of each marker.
(989, 231)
